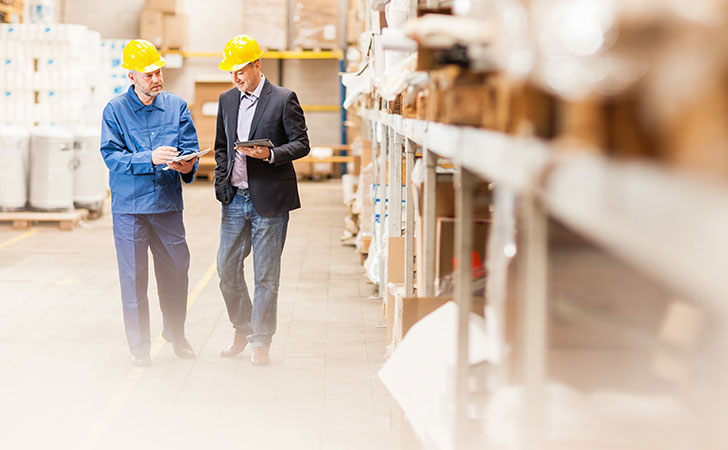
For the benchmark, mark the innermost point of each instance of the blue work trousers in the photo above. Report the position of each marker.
(242, 228)
(164, 233)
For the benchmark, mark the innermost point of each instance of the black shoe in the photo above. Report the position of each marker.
(238, 345)
(141, 361)
(182, 348)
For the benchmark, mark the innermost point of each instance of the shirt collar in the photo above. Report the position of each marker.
(158, 103)
(256, 93)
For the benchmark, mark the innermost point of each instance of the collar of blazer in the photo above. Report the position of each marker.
(233, 108)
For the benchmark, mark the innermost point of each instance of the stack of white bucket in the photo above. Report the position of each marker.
(55, 80)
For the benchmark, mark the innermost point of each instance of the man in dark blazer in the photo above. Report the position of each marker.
(257, 188)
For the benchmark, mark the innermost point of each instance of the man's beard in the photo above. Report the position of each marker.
(153, 92)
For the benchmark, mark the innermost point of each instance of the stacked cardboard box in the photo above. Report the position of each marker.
(204, 114)
(314, 24)
(162, 24)
(266, 21)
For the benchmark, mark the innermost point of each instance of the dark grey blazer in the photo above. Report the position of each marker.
(278, 117)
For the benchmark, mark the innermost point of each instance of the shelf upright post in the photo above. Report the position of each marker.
(409, 227)
(376, 192)
(383, 208)
(464, 191)
(395, 183)
(427, 283)
(533, 285)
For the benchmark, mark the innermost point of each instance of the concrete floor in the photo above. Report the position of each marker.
(65, 375)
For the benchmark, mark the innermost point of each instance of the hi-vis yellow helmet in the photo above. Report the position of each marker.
(239, 52)
(142, 56)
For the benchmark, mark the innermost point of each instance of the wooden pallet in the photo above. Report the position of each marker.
(23, 220)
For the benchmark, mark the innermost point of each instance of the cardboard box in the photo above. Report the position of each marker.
(151, 26)
(409, 310)
(166, 6)
(204, 111)
(314, 24)
(355, 25)
(395, 276)
(175, 31)
(445, 199)
(364, 150)
(267, 22)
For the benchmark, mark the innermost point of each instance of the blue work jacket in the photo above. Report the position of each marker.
(130, 130)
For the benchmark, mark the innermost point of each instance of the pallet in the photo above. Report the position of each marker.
(23, 220)
(94, 211)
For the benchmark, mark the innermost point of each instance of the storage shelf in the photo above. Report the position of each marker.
(669, 223)
(286, 54)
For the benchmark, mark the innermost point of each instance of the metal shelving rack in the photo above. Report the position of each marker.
(607, 201)
(610, 202)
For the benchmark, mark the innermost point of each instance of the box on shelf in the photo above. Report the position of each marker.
(460, 97)
(266, 21)
(395, 278)
(204, 114)
(315, 24)
(175, 31)
(355, 22)
(165, 6)
(151, 26)
(364, 150)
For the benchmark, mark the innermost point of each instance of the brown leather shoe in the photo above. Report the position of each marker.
(259, 357)
(238, 345)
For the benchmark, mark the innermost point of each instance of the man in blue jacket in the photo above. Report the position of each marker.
(142, 130)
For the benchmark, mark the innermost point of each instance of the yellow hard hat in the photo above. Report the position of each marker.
(142, 56)
(239, 52)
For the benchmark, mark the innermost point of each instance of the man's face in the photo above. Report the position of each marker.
(247, 78)
(147, 84)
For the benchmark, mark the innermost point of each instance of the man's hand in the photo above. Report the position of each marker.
(163, 154)
(183, 166)
(255, 152)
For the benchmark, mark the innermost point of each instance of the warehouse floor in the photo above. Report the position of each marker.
(66, 378)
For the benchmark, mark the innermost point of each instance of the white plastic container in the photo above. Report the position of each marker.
(14, 152)
(42, 11)
(91, 176)
(52, 163)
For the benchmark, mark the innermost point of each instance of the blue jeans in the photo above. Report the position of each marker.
(241, 227)
(134, 235)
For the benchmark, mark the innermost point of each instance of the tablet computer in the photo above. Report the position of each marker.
(256, 142)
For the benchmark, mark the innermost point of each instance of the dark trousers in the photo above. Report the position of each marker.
(134, 235)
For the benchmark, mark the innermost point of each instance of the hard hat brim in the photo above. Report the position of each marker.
(227, 67)
(150, 68)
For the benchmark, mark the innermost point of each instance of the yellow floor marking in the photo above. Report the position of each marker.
(135, 375)
(18, 238)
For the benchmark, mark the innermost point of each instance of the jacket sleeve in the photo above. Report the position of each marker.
(221, 146)
(117, 156)
(294, 125)
(187, 140)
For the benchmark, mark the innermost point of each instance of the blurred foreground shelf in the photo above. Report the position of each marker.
(671, 224)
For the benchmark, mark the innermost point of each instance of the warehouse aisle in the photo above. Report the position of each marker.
(65, 376)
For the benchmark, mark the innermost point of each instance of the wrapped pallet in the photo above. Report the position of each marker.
(314, 24)
(266, 21)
